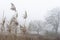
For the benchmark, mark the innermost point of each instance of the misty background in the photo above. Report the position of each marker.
(37, 10)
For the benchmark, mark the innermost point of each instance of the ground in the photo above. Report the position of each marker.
(26, 37)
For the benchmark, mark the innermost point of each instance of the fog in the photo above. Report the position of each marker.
(36, 9)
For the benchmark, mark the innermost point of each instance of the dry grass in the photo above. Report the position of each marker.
(26, 37)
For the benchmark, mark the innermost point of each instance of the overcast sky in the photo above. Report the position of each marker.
(36, 9)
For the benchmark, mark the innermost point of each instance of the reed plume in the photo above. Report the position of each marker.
(13, 7)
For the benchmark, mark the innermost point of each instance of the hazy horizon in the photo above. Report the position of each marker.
(36, 9)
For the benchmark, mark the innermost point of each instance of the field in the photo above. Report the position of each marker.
(26, 37)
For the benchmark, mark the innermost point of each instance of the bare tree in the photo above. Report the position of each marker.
(35, 26)
(54, 18)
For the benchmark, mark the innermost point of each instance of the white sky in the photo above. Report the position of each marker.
(36, 9)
